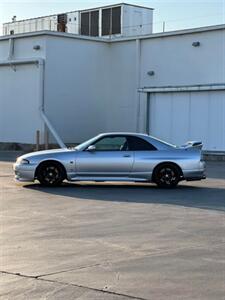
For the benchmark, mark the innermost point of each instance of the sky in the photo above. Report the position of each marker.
(177, 14)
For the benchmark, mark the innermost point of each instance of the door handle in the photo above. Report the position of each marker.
(127, 155)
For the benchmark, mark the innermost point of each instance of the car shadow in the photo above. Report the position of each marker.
(215, 169)
(184, 195)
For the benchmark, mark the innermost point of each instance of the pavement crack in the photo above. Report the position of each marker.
(72, 284)
(93, 289)
(68, 270)
(19, 274)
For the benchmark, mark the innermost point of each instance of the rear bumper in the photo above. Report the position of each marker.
(194, 175)
(193, 178)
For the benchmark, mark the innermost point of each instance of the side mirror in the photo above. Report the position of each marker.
(91, 148)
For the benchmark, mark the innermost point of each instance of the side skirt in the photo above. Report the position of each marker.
(85, 178)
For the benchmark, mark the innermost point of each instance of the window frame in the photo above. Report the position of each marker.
(108, 136)
(127, 137)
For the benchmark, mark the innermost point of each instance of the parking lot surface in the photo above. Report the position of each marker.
(112, 241)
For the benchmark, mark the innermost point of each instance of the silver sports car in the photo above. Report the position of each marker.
(115, 157)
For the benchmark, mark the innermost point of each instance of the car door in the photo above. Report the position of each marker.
(110, 159)
(145, 157)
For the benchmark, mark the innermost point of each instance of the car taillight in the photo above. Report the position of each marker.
(202, 156)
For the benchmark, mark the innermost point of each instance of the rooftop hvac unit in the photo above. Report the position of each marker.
(90, 23)
(62, 21)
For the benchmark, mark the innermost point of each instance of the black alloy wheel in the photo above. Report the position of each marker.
(50, 174)
(167, 176)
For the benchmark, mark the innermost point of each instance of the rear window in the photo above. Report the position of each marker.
(138, 144)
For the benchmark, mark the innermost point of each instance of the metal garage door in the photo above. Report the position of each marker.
(181, 116)
(19, 103)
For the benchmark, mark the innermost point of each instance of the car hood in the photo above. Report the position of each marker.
(45, 152)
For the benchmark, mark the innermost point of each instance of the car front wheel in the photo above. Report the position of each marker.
(50, 174)
(167, 176)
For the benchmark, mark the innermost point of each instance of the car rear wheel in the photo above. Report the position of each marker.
(167, 176)
(50, 174)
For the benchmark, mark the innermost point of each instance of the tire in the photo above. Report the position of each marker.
(167, 176)
(50, 174)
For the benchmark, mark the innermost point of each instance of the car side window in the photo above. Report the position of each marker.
(139, 144)
(112, 143)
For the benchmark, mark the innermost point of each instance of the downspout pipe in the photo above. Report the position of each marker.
(11, 48)
(138, 82)
(40, 62)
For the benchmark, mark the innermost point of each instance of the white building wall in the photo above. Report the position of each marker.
(91, 86)
(122, 90)
(176, 62)
(77, 87)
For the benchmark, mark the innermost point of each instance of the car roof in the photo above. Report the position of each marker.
(124, 133)
(159, 144)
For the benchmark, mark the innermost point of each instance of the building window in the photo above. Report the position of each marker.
(11, 31)
(111, 21)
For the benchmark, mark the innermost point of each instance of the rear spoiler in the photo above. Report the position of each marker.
(193, 144)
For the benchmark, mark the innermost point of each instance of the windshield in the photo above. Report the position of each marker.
(86, 144)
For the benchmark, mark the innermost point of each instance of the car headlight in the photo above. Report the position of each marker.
(22, 161)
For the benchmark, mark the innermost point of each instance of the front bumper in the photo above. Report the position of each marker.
(24, 172)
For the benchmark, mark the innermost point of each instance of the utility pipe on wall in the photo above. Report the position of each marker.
(40, 63)
(138, 81)
(11, 49)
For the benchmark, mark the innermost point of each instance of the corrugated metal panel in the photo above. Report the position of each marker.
(181, 116)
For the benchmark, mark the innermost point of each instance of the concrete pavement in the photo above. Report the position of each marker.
(113, 241)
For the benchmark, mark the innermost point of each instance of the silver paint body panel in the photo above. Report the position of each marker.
(81, 164)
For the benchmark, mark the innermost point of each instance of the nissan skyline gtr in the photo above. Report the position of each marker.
(120, 157)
